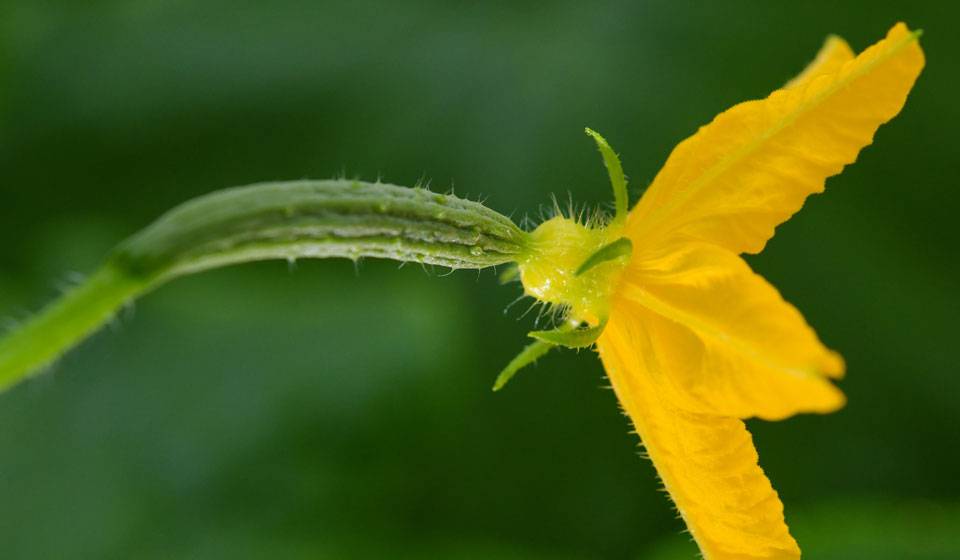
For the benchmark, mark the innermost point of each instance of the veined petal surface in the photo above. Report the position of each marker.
(707, 463)
(750, 169)
(721, 339)
(696, 340)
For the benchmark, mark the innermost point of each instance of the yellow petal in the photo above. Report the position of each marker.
(707, 463)
(834, 53)
(724, 339)
(750, 169)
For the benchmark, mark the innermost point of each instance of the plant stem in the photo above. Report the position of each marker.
(300, 219)
(65, 322)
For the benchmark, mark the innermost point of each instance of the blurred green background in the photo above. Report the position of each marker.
(319, 411)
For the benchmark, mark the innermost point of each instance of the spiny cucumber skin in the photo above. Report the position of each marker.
(336, 218)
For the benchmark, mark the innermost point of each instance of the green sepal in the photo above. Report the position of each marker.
(509, 274)
(615, 170)
(622, 247)
(527, 356)
(571, 338)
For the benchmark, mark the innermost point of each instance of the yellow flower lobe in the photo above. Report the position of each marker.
(696, 341)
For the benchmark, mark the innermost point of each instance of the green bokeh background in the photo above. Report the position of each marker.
(323, 411)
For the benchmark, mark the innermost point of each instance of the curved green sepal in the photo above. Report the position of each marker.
(571, 338)
(622, 247)
(527, 356)
(509, 274)
(615, 170)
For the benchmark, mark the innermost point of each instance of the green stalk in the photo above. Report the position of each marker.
(290, 220)
(64, 323)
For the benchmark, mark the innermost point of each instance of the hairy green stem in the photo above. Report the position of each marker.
(290, 220)
(65, 322)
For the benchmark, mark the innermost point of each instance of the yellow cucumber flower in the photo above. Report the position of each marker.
(692, 340)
